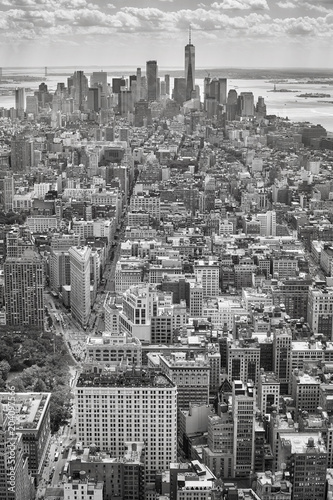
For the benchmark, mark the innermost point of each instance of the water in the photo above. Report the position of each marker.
(283, 104)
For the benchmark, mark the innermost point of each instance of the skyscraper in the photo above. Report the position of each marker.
(151, 72)
(80, 84)
(80, 283)
(135, 406)
(24, 283)
(189, 67)
(20, 101)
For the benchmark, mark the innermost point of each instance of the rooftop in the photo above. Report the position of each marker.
(29, 407)
(132, 378)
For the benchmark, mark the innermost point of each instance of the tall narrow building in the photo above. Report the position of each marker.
(80, 283)
(24, 283)
(189, 67)
(151, 72)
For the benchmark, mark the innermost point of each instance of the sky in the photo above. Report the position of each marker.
(226, 33)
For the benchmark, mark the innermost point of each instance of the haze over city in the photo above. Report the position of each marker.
(251, 33)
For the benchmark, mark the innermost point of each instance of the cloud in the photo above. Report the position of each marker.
(241, 5)
(46, 19)
(111, 6)
(286, 5)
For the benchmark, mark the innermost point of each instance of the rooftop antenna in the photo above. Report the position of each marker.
(189, 35)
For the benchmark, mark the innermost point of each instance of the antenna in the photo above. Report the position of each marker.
(189, 35)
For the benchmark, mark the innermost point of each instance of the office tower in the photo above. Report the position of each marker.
(218, 455)
(196, 299)
(32, 410)
(189, 68)
(232, 105)
(243, 361)
(268, 392)
(151, 75)
(15, 483)
(93, 99)
(125, 102)
(282, 358)
(179, 90)
(24, 284)
(8, 193)
(208, 272)
(222, 97)
(167, 84)
(293, 293)
(99, 78)
(0, 74)
(59, 270)
(243, 407)
(305, 456)
(320, 310)
(80, 283)
(80, 86)
(138, 84)
(142, 114)
(246, 104)
(267, 223)
(133, 406)
(261, 108)
(117, 83)
(21, 155)
(20, 101)
(305, 389)
(191, 376)
(32, 105)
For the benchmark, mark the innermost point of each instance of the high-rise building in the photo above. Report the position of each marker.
(93, 99)
(320, 310)
(268, 392)
(167, 84)
(243, 361)
(32, 410)
(21, 156)
(135, 406)
(246, 104)
(80, 87)
(190, 375)
(267, 223)
(190, 68)
(151, 73)
(117, 83)
(232, 101)
(305, 456)
(24, 284)
(20, 101)
(15, 483)
(99, 78)
(282, 358)
(243, 407)
(8, 193)
(80, 283)
(179, 90)
(138, 85)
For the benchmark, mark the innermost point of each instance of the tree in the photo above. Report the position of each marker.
(4, 369)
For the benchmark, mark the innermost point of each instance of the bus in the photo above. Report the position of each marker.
(56, 456)
(66, 468)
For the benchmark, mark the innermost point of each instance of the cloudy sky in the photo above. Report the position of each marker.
(238, 33)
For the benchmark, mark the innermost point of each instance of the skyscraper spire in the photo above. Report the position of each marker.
(189, 66)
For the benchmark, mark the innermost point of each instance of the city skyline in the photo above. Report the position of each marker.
(251, 33)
